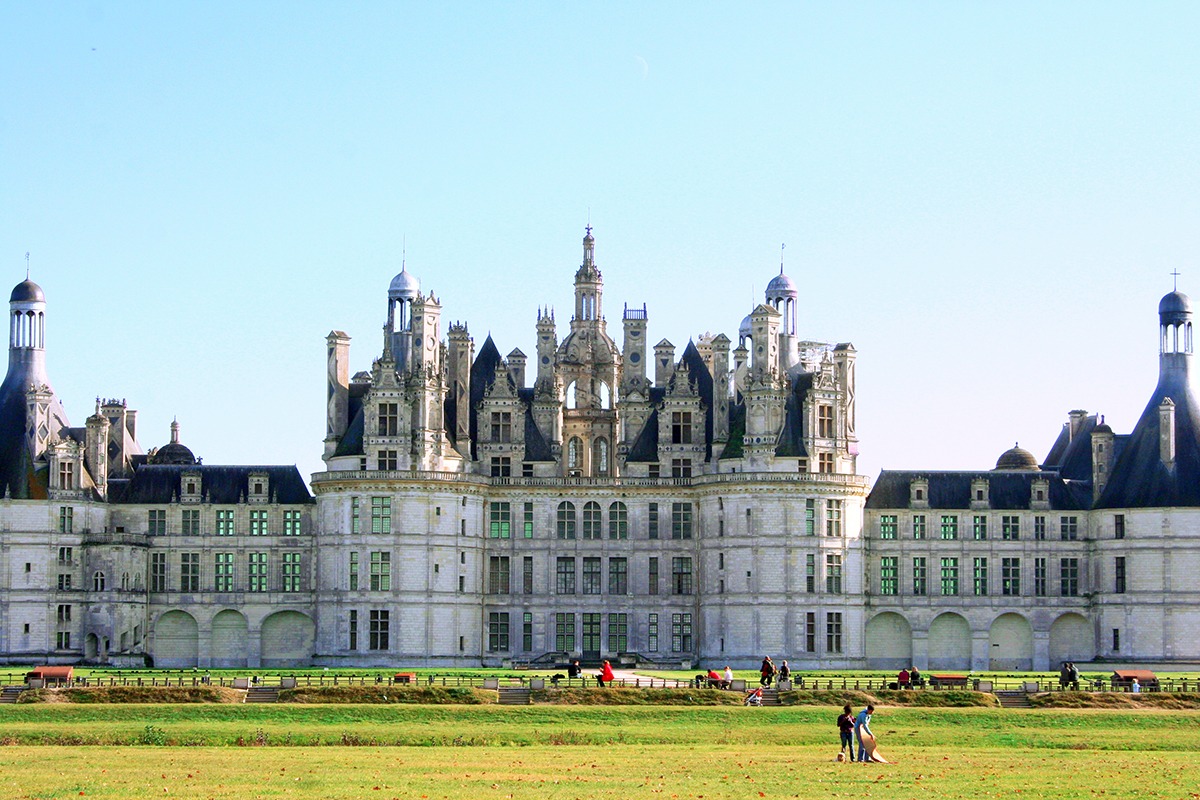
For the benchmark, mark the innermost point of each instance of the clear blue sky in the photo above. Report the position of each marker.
(985, 198)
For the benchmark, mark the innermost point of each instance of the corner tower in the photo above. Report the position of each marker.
(31, 416)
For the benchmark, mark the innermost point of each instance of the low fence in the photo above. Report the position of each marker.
(868, 684)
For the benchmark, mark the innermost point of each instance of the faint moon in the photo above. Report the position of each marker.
(645, 67)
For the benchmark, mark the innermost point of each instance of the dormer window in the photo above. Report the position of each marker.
(259, 489)
(190, 487)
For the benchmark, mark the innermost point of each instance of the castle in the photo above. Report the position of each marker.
(616, 501)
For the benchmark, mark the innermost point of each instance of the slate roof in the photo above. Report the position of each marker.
(159, 483)
(1138, 478)
(1070, 455)
(791, 438)
(645, 446)
(17, 469)
(1007, 491)
(536, 446)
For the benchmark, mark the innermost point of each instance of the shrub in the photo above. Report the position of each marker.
(376, 694)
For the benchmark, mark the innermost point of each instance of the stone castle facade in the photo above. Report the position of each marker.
(619, 501)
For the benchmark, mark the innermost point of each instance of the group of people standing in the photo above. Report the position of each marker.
(768, 672)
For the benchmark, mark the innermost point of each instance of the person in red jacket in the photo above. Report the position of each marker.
(605, 677)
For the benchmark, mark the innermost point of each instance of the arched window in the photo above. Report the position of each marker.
(571, 399)
(98, 582)
(605, 395)
(125, 581)
(600, 457)
(575, 453)
(592, 523)
(566, 520)
(618, 521)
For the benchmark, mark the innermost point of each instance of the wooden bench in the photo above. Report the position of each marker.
(948, 681)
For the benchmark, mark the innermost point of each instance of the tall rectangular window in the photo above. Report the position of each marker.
(1069, 577)
(920, 576)
(527, 575)
(564, 632)
(681, 520)
(1039, 577)
(224, 522)
(389, 419)
(652, 573)
(833, 573)
(64, 581)
(527, 632)
(1119, 526)
(949, 526)
(353, 630)
(810, 573)
(1010, 577)
(1116, 640)
(66, 555)
(497, 632)
(258, 572)
(591, 575)
(66, 475)
(381, 571)
(979, 527)
(499, 520)
(887, 526)
(652, 633)
(825, 421)
(810, 517)
(618, 521)
(833, 517)
(258, 522)
(498, 575)
(355, 516)
(64, 614)
(502, 426)
(949, 577)
(63, 638)
(593, 521)
(681, 575)
(1039, 528)
(1068, 528)
(379, 630)
(565, 572)
(158, 572)
(565, 520)
(223, 572)
(527, 521)
(189, 572)
(1010, 528)
(618, 575)
(1119, 575)
(833, 632)
(618, 633)
(979, 577)
(381, 515)
(810, 631)
(918, 526)
(652, 521)
(681, 633)
(156, 522)
(681, 427)
(889, 575)
(190, 522)
(291, 522)
(291, 572)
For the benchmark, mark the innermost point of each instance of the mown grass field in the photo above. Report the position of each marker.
(484, 752)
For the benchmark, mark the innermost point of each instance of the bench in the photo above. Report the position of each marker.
(948, 681)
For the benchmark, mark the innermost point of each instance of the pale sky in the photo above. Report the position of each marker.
(986, 199)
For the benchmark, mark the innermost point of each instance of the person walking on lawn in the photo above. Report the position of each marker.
(862, 724)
